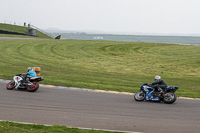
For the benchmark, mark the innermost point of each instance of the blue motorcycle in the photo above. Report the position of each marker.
(148, 93)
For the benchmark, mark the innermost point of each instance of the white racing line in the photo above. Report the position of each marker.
(92, 90)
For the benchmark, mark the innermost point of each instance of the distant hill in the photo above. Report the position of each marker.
(19, 30)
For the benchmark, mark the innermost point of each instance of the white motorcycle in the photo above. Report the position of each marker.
(22, 81)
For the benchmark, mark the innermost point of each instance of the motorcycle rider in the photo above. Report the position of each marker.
(30, 73)
(159, 84)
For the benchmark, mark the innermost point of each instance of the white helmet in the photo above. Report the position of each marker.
(157, 77)
(29, 69)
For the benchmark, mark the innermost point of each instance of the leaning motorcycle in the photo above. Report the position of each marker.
(147, 92)
(18, 82)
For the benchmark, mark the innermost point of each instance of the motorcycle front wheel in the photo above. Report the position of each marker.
(139, 96)
(33, 87)
(10, 85)
(170, 98)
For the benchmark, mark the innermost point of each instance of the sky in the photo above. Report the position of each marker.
(109, 16)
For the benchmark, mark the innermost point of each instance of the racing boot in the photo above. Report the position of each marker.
(161, 92)
(28, 83)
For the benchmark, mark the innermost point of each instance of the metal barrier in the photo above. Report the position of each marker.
(32, 26)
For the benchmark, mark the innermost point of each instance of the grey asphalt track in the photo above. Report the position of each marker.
(88, 109)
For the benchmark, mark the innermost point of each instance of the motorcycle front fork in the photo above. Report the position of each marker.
(16, 87)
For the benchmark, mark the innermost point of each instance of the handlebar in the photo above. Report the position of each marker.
(148, 84)
(22, 74)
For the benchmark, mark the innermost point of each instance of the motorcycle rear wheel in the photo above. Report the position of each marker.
(34, 87)
(170, 98)
(139, 96)
(10, 85)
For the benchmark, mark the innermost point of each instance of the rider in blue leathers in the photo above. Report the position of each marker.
(31, 72)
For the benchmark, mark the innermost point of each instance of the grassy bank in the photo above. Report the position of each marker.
(107, 65)
(17, 36)
(11, 127)
(20, 29)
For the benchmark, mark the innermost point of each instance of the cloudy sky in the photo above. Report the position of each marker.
(114, 16)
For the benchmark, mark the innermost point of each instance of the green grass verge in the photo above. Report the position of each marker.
(21, 29)
(107, 65)
(11, 127)
(17, 36)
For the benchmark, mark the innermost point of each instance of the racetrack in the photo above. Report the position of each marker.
(88, 109)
